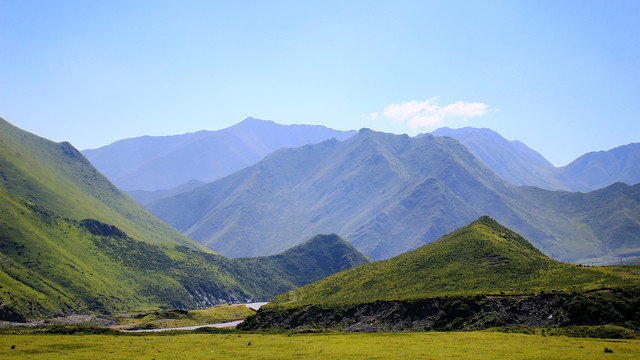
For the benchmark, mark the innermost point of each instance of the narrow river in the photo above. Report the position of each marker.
(254, 306)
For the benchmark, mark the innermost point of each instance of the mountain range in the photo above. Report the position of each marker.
(517, 164)
(153, 167)
(387, 194)
(71, 242)
(151, 163)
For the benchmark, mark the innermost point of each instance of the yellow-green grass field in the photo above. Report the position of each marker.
(238, 345)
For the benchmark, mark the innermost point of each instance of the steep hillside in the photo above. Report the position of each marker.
(165, 162)
(57, 177)
(388, 194)
(56, 266)
(481, 258)
(519, 165)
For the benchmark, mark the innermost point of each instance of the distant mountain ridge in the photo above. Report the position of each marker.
(601, 168)
(145, 198)
(164, 162)
(513, 161)
(388, 194)
(519, 165)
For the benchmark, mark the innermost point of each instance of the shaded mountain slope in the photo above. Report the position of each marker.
(481, 258)
(519, 165)
(388, 194)
(57, 177)
(314, 259)
(165, 162)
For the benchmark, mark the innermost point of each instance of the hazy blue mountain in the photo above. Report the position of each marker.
(388, 194)
(513, 161)
(145, 197)
(516, 163)
(602, 168)
(164, 162)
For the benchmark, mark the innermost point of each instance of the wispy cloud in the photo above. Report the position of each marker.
(428, 114)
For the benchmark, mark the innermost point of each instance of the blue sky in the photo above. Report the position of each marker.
(561, 76)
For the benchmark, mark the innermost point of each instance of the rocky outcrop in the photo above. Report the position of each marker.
(457, 313)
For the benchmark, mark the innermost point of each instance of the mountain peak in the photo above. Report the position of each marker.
(512, 240)
(487, 220)
(252, 121)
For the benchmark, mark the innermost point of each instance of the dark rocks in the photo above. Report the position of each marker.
(446, 313)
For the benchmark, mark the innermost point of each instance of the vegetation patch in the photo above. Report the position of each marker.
(597, 332)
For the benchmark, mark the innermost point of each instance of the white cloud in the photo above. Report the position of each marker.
(373, 116)
(428, 114)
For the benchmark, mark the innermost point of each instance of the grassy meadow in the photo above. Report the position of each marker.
(237, 345)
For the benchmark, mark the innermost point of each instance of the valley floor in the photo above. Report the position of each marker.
(238, 345)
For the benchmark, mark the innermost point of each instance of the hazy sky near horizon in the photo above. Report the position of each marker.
(561, 76)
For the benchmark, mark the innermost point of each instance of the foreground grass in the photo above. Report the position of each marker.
(238, 345)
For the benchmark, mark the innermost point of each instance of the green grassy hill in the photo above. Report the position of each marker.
(57, 177)
(56, 266)
(481, 258)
